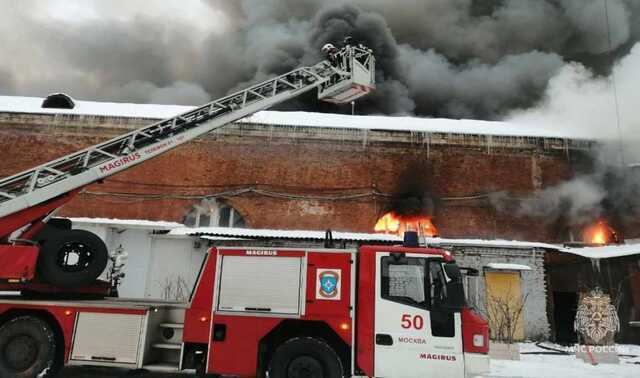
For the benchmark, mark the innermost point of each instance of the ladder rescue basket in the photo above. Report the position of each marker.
(355, 76)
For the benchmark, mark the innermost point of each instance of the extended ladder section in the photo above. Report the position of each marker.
(347, 77)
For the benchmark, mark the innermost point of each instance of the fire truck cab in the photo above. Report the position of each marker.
(378, 311)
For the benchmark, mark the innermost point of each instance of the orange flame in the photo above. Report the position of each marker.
(392, 223)
(600, 233)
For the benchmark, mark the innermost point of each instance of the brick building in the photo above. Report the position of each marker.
(317, 171)
(305, 170)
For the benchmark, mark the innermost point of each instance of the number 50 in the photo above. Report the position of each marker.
(416, 322)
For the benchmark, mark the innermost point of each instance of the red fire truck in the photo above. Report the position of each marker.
(383, 311)
(376, 311)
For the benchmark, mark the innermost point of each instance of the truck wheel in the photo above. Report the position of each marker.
(305, 358)
(72, 258)
(27, 349)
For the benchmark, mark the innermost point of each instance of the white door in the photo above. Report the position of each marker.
(413, 337)
(102, 338)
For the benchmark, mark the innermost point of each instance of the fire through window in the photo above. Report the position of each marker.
(600, 233)
(392, 223)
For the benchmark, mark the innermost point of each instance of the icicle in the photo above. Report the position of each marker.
(595, 264)
(365, 137)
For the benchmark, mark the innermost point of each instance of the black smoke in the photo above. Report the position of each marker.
(450, 58)
(412, 192)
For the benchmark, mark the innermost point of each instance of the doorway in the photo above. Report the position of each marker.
(565, 305)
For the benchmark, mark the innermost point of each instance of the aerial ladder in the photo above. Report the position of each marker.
(65, 259)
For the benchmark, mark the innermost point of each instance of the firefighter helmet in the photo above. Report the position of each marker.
(328, 48)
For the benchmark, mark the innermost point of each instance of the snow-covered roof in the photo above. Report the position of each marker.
(225, 233)
(590, 252)
(355, 236)
(130, 223)
(605, 252)
(507, 266)
(415, 124)
(359, 236)
(14, 104)
(493, 243)
(283, 234)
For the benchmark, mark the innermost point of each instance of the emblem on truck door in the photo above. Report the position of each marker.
(328, 284)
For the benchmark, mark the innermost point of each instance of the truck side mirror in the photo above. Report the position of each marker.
(471, 272)
(455, 290)
(455, 296)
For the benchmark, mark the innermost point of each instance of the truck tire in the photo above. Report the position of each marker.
(305, 357)
(72, 258)
(27, 349)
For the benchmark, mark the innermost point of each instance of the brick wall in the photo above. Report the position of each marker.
(325, 166)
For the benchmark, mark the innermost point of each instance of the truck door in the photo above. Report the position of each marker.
(415, 334)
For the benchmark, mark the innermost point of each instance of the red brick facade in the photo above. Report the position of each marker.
(282, 165)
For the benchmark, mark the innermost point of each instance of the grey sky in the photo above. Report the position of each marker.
(454, 58)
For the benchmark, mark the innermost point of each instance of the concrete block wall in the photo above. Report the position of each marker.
(536, 321)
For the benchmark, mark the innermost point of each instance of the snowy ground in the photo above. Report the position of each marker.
(565, 366)
(529, 366)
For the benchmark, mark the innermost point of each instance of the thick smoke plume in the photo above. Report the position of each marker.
(546, 62)
(453, 58)
(591, 106)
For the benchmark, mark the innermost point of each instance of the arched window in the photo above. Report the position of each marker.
(214, 213)
(58, 101)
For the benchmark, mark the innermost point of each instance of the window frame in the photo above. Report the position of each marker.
(395, 259)
(196, 217)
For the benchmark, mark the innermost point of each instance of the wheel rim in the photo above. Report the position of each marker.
(305, 367)
(74, 257)
(21, 352)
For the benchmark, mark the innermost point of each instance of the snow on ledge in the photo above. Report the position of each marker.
(506, 266)
(133, 223)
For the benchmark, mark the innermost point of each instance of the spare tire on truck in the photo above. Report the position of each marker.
(27, 348)
(72, 258)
